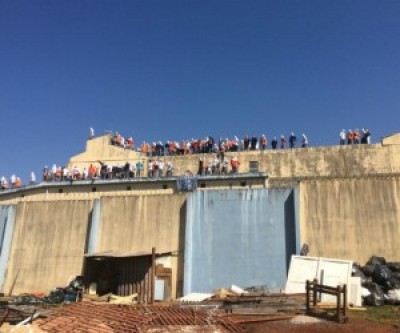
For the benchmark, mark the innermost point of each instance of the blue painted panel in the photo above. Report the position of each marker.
(242, 237)
(7, 221)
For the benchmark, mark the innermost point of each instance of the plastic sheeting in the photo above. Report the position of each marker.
(243, 237)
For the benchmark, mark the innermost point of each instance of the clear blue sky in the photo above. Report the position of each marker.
(160, 70)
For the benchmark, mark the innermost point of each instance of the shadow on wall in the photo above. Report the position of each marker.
(290, 228)
(88, 231)
(181, 250)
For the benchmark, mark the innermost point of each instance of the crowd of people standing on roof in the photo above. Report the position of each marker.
(210, 145)
(206, 145)
(157, 168)
(121, 141)
(92, 172)
(355, 136)
(218, 165)
(14, 182)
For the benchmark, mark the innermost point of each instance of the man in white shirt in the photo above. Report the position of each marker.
(13, 180)
(170, 169)
(342, 137)
(65, 173)
(85, 173)
(4, 183)
(53, 171)
(76, 173)
(304, 141)
(161, 168)
(33, 178)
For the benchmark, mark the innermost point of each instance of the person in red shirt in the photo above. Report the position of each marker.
(263, 142)
(235, 165)
(129, 143)
(356, 136)
(92, 171)
(350, 137)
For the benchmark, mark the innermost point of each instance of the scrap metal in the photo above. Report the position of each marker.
(102, 318)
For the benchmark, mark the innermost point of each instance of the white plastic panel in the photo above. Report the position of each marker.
(330, 272)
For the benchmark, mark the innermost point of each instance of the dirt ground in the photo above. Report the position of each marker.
(354, 325)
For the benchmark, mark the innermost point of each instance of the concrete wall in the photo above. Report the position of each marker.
(241, 237)
(345, 212)
(100, 149)
(138, 223)
(48, 245)
(351, 218)
(52, 233)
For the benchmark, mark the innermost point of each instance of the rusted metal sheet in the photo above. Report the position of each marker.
(89, 317)
(9, 315)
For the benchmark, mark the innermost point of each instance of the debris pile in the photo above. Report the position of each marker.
(380, 281)
(253, 301)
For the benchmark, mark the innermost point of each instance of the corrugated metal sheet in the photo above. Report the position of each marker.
(243, 237)
(122, 276)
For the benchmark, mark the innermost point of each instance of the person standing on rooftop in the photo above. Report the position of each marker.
(349, 137)
(274, 143)
(33, 178)
(263, 142)
(304, 141)
(342, 135)
(292, 140)
(283, 141)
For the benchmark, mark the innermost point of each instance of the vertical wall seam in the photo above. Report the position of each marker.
(7, 242)
(94, 232)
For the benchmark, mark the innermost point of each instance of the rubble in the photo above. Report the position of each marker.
(195, 297)
(305, 320)
(131, 299)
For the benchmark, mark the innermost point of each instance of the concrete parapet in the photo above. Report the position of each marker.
(323, 161)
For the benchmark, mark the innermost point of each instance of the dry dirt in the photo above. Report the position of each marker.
(354, 325)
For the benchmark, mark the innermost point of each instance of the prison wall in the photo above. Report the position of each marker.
(351, 218)
(137, 223)
(349, 199)
(52, 233)
(48, 245)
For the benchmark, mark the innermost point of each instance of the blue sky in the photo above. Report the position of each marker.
(160, 70)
